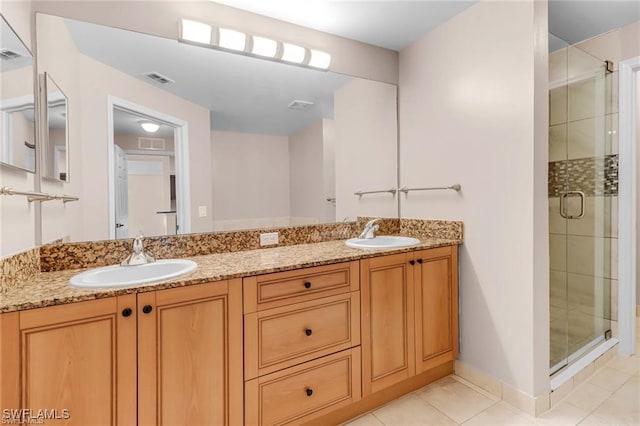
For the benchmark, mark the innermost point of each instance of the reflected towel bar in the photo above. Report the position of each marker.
(455, 187)
(361, 193)
(37, 196)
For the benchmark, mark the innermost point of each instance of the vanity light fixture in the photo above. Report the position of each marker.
(231, 39)
(150, 127)
(194, 31)
(262, 46)
(251, 45)
(293, 53)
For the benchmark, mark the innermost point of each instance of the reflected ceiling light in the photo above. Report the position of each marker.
(231, 39)
(263, 46)
(195, 31)
(293, 53)
(150, 127)
(319, 59)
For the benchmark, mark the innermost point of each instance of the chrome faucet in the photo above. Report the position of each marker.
(138, 256)
(369, 229)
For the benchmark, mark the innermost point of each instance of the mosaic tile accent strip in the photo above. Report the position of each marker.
(432, 228)
(595, 176)
(18, 268)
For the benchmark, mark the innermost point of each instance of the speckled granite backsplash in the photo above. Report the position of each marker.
(18, 267)
(58, 257)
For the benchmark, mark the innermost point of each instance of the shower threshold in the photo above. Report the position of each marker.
(579, 360)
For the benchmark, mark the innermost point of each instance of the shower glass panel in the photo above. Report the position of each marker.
(582, 201)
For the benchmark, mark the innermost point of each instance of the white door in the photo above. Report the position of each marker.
(122, 195)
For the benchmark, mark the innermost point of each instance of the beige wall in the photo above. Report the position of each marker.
(17, 227)
(306, 173)
(637, 118)
(250, 175)
(365, 127)
(473, 111)
(348, 56)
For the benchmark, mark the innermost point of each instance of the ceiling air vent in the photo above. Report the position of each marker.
(7, 55)
(158, 78)
(300, 105)
(152, 144)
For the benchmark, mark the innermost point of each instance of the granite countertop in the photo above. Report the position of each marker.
(52, 288)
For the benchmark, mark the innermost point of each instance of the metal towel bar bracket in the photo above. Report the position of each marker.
(455, 187)
(37, 196)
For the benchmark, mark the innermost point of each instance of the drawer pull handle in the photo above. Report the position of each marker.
(308, 331)
(412, 262)
(420, 261)
(309, 391)
(307, 284)
(147, 308)
(126, 312)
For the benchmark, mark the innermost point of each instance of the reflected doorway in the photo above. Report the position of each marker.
(146, 180)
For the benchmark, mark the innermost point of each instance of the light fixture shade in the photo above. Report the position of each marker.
(150, 127)
(263, 46)
(293, 53)
(231, 39)
(319, 59)
(195, 31)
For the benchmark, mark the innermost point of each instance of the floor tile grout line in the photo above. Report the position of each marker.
(446, 415)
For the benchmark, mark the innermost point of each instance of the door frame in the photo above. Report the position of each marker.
(627, 201)
(181, 141)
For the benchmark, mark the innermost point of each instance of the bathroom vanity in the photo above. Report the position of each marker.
(289, 335)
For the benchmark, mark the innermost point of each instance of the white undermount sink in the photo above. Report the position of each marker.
(382, 241)
(121, 276)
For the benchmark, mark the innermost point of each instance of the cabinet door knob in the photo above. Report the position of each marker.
(412, 262)
(308, 331)
(147, 308)
(420, 261)
(309, 391)
(126, 312)
(307, 284)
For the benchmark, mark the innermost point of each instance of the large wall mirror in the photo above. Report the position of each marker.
(180, 138)
(17, 102)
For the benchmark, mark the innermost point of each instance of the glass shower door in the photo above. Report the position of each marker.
(582, 203)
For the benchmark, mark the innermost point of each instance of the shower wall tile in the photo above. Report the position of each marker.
(597, 219)
(586, 138)
(614, 217)
(583, 100)
(614, 258)
(558, 106)
(558, 252)
(557, 224)
(558, 289)
(589, 256)
(611, 127)
(614, 300)
(589, 295)
(558, 142)
(581, 63)
(611, 103)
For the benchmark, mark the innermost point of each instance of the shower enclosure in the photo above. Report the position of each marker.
(583, 189)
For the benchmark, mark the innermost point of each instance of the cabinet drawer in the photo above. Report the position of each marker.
(281, 337)
(304, 392)
(284, 288)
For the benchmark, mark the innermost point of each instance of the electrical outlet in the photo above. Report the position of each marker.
(269, 239)
(202, 211)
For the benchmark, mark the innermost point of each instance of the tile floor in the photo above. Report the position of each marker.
(611, 396)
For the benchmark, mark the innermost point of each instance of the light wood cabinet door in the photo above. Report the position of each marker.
(301, 393)
(387, 292)
(436, 306)
(78, 360)
(190, 355)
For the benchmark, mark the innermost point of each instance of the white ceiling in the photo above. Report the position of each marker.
(390, 24)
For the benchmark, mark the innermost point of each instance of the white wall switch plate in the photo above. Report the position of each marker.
(202, 211)
(269, 239)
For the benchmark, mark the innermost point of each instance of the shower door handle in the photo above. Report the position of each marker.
(563, 204)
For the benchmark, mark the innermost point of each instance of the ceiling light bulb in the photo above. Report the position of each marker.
(195, 31)
(319, 59)
(293, 53)
(231, 39)
(264, 47)
(149, 126)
